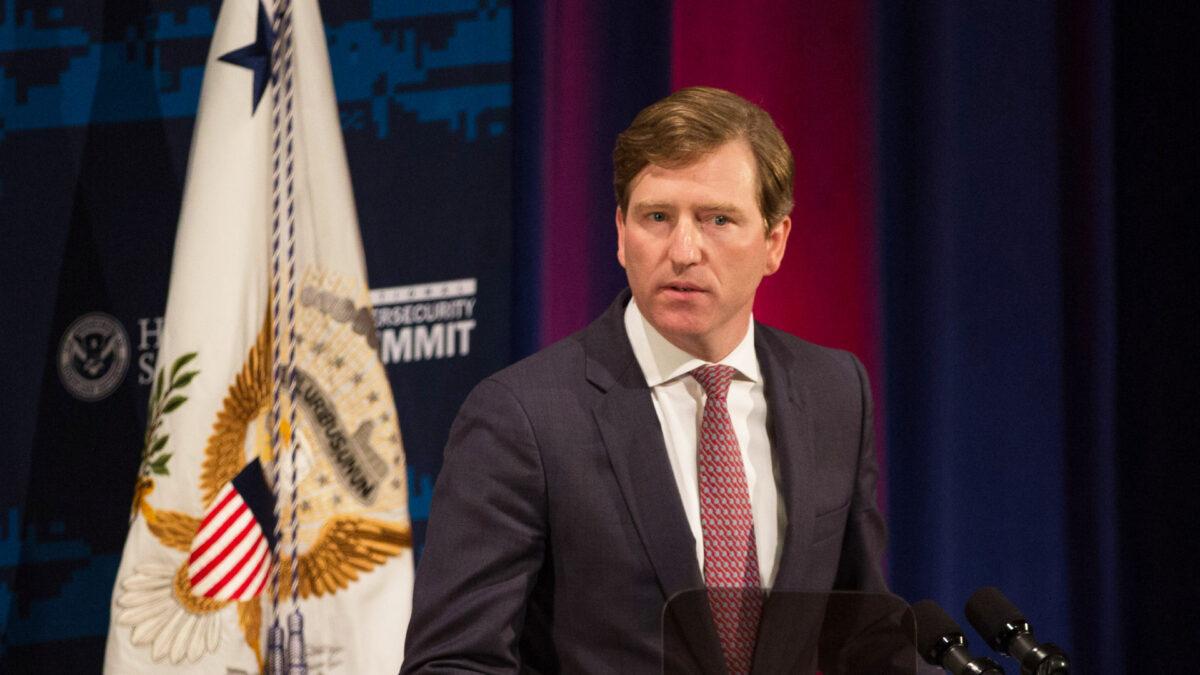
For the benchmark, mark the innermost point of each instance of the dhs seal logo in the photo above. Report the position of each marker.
(93, 356)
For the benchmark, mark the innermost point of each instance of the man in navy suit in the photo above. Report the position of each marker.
(574, 501)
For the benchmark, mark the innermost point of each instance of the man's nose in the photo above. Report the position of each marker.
(685, 243)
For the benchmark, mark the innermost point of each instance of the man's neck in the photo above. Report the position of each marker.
(710, 348)
(662, 359)
(705, 350)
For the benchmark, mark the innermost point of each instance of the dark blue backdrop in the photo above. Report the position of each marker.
(1038, 216)
(984, 280)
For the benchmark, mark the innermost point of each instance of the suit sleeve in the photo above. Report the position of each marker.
(485, 543)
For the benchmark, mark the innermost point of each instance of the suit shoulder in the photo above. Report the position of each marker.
(550, 366)
(539, 391)
(810, 357)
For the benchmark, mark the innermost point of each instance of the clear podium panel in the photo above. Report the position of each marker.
(833, 633)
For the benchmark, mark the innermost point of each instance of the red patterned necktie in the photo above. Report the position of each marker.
(727, 523)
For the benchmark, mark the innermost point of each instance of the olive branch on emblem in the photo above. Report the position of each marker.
(164, 401)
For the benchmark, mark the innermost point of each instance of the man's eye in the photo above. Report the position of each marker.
(658, 217)
(720, 220)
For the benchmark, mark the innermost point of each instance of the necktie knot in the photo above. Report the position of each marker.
(714, 379)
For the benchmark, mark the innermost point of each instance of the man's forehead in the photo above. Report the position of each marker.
(724, 177)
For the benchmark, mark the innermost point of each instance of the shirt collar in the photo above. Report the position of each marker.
(662, 361)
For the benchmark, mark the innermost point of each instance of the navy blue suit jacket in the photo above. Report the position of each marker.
(557, 534)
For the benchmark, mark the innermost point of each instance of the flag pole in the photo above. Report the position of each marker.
(283, 321)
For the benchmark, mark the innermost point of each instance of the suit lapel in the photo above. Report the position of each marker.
(633, 438)
(634, 441)
(789, 412)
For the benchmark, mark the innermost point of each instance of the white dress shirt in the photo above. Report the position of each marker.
(679, 403)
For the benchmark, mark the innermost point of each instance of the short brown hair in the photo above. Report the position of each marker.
(692, 122)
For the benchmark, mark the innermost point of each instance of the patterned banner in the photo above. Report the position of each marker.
(268, 354)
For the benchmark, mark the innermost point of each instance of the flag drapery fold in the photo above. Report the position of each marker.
(268, 358)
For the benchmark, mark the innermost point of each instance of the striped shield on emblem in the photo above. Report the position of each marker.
(231, 554)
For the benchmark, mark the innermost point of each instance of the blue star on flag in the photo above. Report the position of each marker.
(256, 56)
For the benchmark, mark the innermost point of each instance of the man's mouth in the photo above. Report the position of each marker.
(683, 288)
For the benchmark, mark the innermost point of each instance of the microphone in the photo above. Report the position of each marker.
(1005, 629)
(941, 642)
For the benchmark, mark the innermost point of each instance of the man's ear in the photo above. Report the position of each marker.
(620, 220)
(776, 245)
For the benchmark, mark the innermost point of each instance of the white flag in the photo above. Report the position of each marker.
(268, 298)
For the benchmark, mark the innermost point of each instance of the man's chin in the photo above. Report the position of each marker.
(678, 326)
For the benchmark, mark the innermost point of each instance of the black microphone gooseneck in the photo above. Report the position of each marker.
(1005, 629)
(941, 643)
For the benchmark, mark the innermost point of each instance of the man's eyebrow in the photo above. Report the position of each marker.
(652, 206)
(720, 206)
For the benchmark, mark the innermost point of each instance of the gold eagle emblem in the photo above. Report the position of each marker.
(339, 545)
